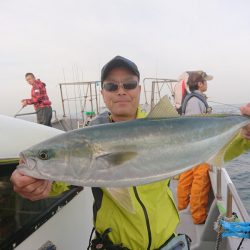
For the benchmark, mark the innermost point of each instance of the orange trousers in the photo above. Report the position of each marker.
(193, 187)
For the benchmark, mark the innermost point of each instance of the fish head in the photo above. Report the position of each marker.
(56, 157)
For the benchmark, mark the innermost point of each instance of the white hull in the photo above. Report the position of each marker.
(69, 228)
(17, 135)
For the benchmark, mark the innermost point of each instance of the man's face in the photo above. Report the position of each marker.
(122, 102)
(202, 86)
(30, 79)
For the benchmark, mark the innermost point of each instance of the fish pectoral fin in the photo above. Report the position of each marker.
(163, 109)
(122, 197)
(117, 158)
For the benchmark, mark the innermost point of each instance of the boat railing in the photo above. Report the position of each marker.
(80, 97)
(157, 88)
(231, 195)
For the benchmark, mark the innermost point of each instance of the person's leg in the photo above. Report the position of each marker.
(40, 115)
(184, 189)
(44, 116)
(48, 116)
(199, 193)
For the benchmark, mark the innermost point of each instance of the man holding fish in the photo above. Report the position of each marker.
(138, 217)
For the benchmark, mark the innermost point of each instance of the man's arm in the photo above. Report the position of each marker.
(241, 143)
(39, 93)
(245, 110)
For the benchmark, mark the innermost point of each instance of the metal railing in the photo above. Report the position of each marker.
(155, 90)
(84, 94)
(231, 195)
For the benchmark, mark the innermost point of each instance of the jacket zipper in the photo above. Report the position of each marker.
(146, 217)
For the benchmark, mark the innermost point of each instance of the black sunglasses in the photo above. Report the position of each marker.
(111, 86)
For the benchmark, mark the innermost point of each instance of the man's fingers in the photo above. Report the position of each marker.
(245, 110)
(41, 193)
(30, 188)
(19, 180)
(246, 132)
(44, 192)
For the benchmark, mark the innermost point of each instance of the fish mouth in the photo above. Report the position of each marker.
(29, 162)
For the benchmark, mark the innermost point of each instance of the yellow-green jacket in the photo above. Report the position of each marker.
(155, 216)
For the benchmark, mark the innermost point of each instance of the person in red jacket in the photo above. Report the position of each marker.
(39, 99)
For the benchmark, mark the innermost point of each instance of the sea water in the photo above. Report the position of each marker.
(239, 168)
(239, 171)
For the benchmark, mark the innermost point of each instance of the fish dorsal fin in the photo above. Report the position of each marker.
(162, 109)
(122, 197)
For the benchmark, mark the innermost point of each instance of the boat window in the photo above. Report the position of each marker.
(20, 217)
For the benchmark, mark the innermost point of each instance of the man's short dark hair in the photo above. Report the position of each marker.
(29, 74)
(194, 77)
(193, 85)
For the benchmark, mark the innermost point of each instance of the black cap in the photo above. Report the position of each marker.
(116, 62)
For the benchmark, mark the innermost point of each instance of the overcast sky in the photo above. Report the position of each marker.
(164, 38)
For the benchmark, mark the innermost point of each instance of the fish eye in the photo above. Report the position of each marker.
(43, 155)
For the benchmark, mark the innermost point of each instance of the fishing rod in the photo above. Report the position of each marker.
(226, 104)
(19, 111)
(23, 114)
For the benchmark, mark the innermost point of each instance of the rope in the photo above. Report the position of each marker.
(219, 229)
(228, 227)
(236, 229)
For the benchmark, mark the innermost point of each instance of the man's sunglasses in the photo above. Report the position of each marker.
(111, 86)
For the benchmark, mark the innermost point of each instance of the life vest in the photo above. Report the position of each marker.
(155, 216)
(180, 91)
(191, 95)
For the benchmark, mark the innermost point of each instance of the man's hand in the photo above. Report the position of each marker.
(24, 103)
(245, 110)
(30, 188)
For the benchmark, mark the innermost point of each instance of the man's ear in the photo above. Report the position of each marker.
(103, 96)
(200, 84)
(139, 88)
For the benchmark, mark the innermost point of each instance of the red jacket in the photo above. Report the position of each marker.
(39, 95)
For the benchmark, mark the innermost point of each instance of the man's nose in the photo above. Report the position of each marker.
(121, 90)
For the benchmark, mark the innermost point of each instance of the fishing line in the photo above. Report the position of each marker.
(226, 104)
(67, 100)
(80, 100)
(79, 92)
(74, 88)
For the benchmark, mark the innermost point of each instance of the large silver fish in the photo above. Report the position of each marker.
(132, 153)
